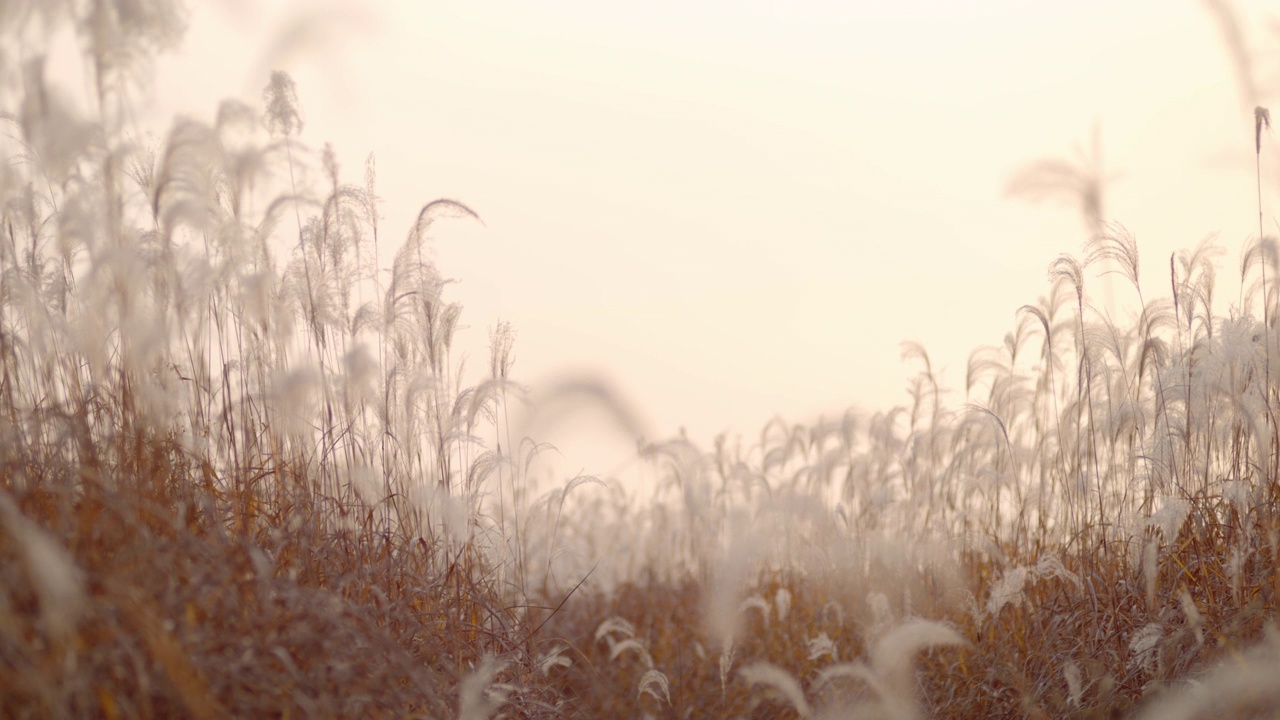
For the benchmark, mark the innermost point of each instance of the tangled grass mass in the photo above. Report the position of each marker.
(242, 473)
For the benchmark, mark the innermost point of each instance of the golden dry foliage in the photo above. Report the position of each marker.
(230, 486)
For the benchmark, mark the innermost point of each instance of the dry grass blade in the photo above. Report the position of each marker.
(781, 682)
(892, 657)
(654, 683)
(59, 583)
(477, 698)
(1245, 688)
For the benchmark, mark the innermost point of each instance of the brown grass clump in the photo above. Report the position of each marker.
(179, 616)
(1042, 636)
(230, 486)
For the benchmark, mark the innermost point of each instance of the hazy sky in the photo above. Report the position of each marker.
(734, 209)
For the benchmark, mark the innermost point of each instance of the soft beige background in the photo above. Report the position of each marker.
(734, 209)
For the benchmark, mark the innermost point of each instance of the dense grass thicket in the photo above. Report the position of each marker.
(243, 474)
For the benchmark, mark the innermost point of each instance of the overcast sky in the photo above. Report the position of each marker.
(733, 209)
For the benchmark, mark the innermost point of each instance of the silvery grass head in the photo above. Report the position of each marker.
(888, 674)
(1261, 119)
(1239, 687)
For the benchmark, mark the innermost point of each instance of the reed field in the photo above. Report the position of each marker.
(244, 472)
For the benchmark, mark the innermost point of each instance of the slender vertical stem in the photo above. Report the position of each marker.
(1261, 118)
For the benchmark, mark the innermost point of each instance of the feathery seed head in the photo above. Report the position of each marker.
(1261, 118)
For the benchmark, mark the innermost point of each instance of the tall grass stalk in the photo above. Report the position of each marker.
(235, 456)
(1261, 119)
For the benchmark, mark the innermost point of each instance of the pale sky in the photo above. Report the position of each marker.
(734, 209)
